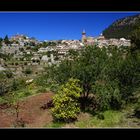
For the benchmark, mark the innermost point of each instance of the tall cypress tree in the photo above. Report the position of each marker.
(6, 40)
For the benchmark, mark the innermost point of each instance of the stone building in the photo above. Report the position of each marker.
(87, 40)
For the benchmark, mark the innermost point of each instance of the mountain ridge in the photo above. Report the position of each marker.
(122, 28)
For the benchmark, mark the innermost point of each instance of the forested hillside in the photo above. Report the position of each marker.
(122, 27)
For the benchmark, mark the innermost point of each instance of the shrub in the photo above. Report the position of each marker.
(108, 95)
(27, 93)
(65, 102)
(8, 74)
(137, 109)
(54, 87)
(41, 80)
(28, 71)
(4, 87)
(100, 116)
(17, 84)
(137, 112)
(42, 90)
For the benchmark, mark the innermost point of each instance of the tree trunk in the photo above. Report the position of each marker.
(17, 111)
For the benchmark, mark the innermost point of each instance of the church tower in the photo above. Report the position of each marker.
(83, 36)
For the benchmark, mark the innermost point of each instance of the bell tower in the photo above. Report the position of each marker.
(83, 36)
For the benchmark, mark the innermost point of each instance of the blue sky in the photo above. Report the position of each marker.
(57, 25)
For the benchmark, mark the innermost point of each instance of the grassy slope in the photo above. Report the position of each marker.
(112, 119)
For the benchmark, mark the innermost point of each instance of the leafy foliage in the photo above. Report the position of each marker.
(135, 40)
(18, 84)
(65, 101)
(8, 73)
(4, 84)
(108, 95)
(6, 40)
(110, 74)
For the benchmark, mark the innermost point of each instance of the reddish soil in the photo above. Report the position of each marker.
(30, 112)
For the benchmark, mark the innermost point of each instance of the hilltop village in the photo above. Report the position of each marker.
(88, 81)
(22, 52)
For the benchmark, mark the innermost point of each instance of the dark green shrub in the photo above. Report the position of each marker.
(27, 93)
(108, 95)
(4, 87)
(8, 74)
(28, 71)
(137, 109)
(88, 104)
(42, 90)
(100, 116)
(17, 84)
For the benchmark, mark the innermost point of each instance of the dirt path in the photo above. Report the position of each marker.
(30, 112)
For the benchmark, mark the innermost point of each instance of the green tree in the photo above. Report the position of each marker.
(86, 67)
(4, 84)
(18, 84)
(72, 53)
(65, 102)
(8, 73)
(135, 40)
(1, 39)
(108, 95)
(1, 42)
(13, 100)
(120, 75)
(6, 40)
(35, 48)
